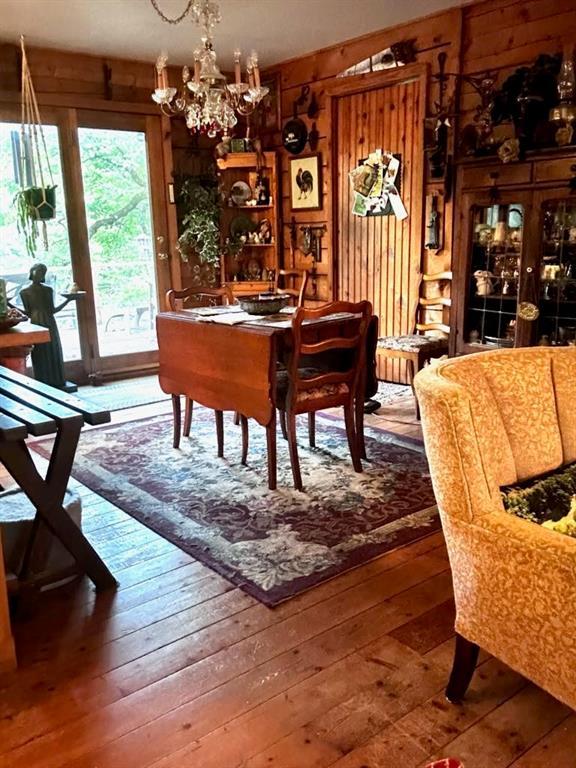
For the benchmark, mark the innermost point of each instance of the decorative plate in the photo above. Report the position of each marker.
(240, 193)
(528, 311)
(241, 225)
(500, 341)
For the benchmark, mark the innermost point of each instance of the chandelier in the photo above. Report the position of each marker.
(207, 101)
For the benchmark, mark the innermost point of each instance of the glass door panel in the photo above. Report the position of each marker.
(557, 300)
(15, 262)
(496, 249)
(120, 231)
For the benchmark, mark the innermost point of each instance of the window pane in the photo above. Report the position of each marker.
(117, 196)
(15, 262)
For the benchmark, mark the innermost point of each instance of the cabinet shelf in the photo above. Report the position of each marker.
(249, 207)
(237, 270)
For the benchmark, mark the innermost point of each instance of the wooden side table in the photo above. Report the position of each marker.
(16, 344)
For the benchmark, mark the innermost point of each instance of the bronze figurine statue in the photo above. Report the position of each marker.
(38, 301)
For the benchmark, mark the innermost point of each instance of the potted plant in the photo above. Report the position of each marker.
(35, 202)
(200, 237)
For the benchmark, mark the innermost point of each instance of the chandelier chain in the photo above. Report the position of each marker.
(177, 19)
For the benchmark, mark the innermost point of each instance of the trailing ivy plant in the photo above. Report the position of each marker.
(201, 219)
(199, 207)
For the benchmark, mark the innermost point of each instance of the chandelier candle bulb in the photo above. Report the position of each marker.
(237, 70)
(162, 75)
(256, 69)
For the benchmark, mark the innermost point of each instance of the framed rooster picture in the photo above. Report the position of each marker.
(306, 183)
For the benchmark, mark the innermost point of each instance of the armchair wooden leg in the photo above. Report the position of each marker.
(244, 425)
(283, 425)
(176, 412)
(412, 371)
(293, 448)
(188, 417)
(219, 416)
(352, 437)
(271, 445)
(312, 429)
(465, 658)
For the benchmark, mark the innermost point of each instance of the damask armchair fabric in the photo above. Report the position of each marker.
(493, 419)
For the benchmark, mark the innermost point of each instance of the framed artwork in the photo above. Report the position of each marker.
(271, 108)
(306, 183)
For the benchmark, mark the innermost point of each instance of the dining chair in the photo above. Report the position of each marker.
(417, 348)
(310, 384)
(291, 277)
(176, 300)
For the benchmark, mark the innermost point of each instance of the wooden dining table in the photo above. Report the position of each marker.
(233, 367)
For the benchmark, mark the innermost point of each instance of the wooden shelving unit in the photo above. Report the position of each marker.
(250, 270)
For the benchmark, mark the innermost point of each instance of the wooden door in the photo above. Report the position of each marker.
(378, 257)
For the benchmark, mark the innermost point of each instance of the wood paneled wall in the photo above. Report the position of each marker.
(433, 34)
(378, 257)
(499, 35)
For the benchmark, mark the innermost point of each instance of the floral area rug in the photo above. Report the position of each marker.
(272, 544)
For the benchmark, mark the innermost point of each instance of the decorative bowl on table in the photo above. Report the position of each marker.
(264, 303)
(11, 318)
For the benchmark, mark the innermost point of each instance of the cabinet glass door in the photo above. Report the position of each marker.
(494, 277)
(557, 295)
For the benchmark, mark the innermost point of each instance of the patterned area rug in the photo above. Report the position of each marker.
(273, 544)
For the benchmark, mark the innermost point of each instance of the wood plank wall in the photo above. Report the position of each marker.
(433, 34)
(378, 257)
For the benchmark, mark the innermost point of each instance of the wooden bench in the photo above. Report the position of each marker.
(31, 408)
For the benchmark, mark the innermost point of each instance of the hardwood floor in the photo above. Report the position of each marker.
(180, 669)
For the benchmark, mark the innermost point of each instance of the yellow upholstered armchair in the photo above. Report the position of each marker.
(490, 420)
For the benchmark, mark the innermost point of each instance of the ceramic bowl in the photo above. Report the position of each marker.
(12, 318)
(264, 303)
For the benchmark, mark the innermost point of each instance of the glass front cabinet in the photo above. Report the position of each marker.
(515, 262)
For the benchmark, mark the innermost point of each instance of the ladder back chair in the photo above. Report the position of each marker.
(176, 300)
(290, 277)
(417, 348)
(309, 385)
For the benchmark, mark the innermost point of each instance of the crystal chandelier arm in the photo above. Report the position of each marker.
(177, 19)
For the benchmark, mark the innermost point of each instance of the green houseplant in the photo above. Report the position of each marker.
(35, 203)
(199, 208)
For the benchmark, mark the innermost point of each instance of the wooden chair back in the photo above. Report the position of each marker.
(177, 299)
(292, 275)
(348, 351)
(437, 302)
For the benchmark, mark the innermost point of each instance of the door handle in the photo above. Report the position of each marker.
(162, 255)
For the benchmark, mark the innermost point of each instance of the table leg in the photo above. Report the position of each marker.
(18, 462)
(271, 445)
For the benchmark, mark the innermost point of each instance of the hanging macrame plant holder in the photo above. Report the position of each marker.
(36, 200)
